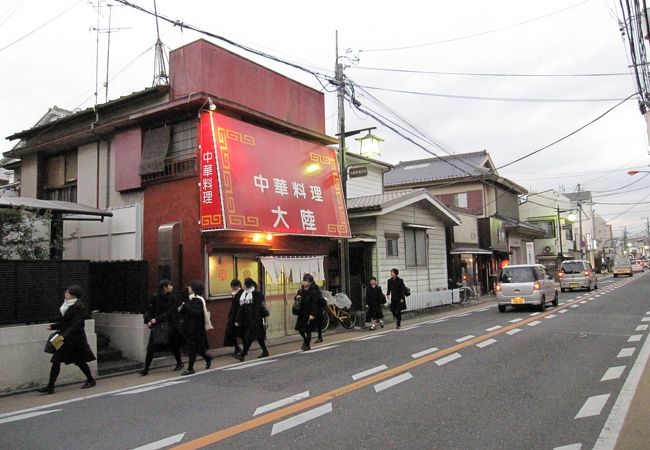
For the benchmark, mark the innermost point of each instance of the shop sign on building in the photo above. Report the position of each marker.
(254, 179)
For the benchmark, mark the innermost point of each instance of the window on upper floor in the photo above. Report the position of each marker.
(169, 151)
(416, 247)
(60, 177)
(391, 244)
(547, 225)
(460, 199)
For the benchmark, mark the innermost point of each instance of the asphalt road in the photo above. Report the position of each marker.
(480, 380)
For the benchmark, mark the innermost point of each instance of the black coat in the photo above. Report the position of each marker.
(309, 305)
(396, 288)
(195, 335)
(164, 308)
(230, 336)
(75, 346)
(249, 318)
(374, 297)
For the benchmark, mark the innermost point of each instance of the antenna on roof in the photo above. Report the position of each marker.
(160, 77)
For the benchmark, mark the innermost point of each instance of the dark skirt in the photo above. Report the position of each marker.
(75, 351)
(230, 336)
(374, 312)
(197, 342)
(304, 324)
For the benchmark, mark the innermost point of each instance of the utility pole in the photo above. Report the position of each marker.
(559, 234)
(580, 220)
(344, 249)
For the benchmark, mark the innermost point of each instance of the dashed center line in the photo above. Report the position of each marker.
(446, 359)
(301, 418)
(496, 327)
(593, 406)
(564, 311)
(577, 446)
(486, 343)
(393, 381)
(641, 328)
(624, 353)
(645, 319)
(424, 352)
(551, 316)
(613, 373)
(534, 323)
(635, 338)
(516, 320)
(280, 403)
(465, 338)
(513, 331)
(369, 372)
(574, 306)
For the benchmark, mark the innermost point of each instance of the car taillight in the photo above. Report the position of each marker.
(561, 274)
(498, 287)
(587, 273)
(537, 286)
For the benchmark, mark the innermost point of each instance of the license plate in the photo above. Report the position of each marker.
(573, 285)
(517, 301)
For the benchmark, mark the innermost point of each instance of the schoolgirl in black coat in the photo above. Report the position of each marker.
(163, 309)
(310, 295)
(249, 319)
(75, 348)
(374, 298)
(396, 290)
(195, 335)
(231, 335)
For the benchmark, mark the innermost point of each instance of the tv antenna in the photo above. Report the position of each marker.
(160, 77)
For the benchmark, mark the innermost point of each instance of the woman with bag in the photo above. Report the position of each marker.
(396, 290)
(196, 323)
(162, 319)
(375, 298)
(75, 348)
(230, 336)
(308, 297)
(250, 318)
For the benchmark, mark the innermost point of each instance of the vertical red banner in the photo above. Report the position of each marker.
(209, 193)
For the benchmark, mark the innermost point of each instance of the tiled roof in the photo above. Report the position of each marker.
(375, 201)
(434, 169)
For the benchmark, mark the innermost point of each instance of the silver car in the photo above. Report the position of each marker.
(577, 274)
(525, 284)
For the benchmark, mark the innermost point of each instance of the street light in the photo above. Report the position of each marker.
(369, 145)
(571, 217)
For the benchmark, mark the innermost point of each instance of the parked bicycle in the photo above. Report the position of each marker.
(467, 295)
(339, 310)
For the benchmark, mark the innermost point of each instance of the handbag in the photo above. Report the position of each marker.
(407, 291)
(382, 299)
(206, 315)
(160, 334)
(50, 345)
(264, 310)
(295, 309)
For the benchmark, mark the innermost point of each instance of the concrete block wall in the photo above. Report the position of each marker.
(128, 333)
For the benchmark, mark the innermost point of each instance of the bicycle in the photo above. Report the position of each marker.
(334, 314)
(467, 295)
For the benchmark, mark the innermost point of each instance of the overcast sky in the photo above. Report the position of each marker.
(55, 65)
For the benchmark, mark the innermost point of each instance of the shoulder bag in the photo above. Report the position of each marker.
(160, 333)
(206, 315)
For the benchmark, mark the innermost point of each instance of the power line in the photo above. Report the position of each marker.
(497, 99)
(570, 134)
(483, 33)
(474, 74)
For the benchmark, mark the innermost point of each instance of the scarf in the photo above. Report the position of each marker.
(247, 296)
(66, 304)
(206, 314)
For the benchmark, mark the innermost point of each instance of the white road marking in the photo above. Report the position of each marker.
(367, 338)
(535, 314)
(645, 319)
(27, 415)
(483, 309)
(300, 419)
(162, 443)
(151, 388)
(647, 313)
(551, 316)
(329, 347)
(635, 338)
(612, 429)
(463, 315)
(564, 311)
(613, 373)
(574, 306)
(369, 372)
(583, 302)
(253, 364)
(496, 327)
(516, 320)
(279, 403)
(534, 323)
(577, 446)
(593, 406)
(465, 338)
(641, 328)
(486, 343)
(410, 327)
(446, 359)
(393, 381)
(424, 352)
(561, 304)
(626, 352)
(443, 320)
(513, 331)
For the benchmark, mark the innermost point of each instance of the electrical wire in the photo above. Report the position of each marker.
(630, 208)
(11, 11)
(483, 33)
(40, 26)
(474, 74)
(496, 99)
(568, 135)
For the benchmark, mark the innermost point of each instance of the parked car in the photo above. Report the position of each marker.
(623, 268)
(577, 274)
(525, 284)
(636, 267)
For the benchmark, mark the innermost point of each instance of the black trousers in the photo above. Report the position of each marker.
(398, 317)
(191, 354)
(56, 369)
(151, 350)
(248, 341)
(306, 338)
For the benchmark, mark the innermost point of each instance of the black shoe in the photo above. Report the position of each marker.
(179, 366)
(89, 384)
(239, 356)
(47, 390)
(319, 340)
(187, 372)
(208, 362)
(264, 355)
(306, 347)
(235, 353)
(144, 372)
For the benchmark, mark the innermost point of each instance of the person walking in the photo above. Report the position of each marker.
(197, 340)
(250, 319)
(230, 337)
(162, 319)
(309, 296)
(396, 291)
(75, 349)
(375, 298)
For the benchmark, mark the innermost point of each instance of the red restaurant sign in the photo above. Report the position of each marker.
(254, 179)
